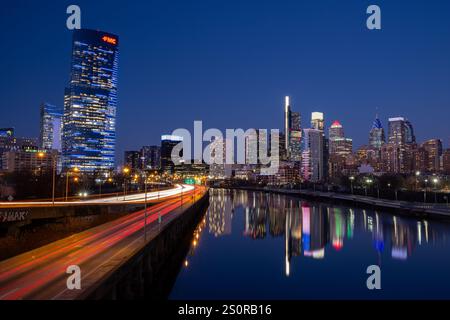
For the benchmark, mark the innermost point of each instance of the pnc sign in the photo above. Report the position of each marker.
(109, 40)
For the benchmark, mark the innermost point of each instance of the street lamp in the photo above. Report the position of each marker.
(145, 207)
(67, 180)
(435, 182)
(368, 182)
(126, 170)
(352, 178)
(425, 191)
(417, 179)
(41, 155)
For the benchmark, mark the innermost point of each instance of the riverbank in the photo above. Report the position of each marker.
(409, 208)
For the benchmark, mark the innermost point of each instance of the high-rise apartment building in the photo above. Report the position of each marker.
(434, 151)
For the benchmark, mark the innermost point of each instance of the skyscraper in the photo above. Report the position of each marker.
(376, 135)
(295, 136)
(434, 152)
(89, 125)
(151, 157)
(132, 160)
(6, 132)
(168, 142)
(292, 132)
(313, 155)
(336, 130)
(287, 123)
(409, 132)
(400, 138)
(251, 147)
(51, 123)
(317, 121)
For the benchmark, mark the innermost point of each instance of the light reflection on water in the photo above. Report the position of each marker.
(301, 249)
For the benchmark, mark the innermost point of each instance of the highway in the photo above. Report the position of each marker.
(41, 273)
(119, 199)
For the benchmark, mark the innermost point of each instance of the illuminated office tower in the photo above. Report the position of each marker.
(89, 123)
(168, 142)
(251, 147)
(338, 143)
(292, 132)
(376, 135)
(336, 130)
(317, 121)
(50, 131)
(287, 123)
(401, 136)
(313, 155)
(295, 138)
(151, 157)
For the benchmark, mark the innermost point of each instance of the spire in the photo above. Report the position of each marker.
(377, 123)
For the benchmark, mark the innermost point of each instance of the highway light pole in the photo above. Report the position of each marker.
(67, 181)
(125, 173)
(54, 177)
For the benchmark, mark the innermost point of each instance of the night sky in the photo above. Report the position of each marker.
(230, 63)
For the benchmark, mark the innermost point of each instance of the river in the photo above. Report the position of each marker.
(254, 245)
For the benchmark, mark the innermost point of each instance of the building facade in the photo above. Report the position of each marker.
(312, 155)
(50, 127)
(151, 157)
(168, 142)
(89, 125)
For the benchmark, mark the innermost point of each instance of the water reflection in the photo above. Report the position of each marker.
(312, 229)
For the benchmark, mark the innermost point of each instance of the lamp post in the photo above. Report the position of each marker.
(145, 207)
(368, 182)
(417, 179)
(389, 187)
(67, 181)
(425, 191)
(352, 178)
(41, 155)
(435, 182)
(126, 170)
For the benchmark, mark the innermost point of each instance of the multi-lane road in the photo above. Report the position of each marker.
(41, 273)
(118, 199)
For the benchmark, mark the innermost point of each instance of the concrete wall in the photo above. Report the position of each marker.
(152, 271)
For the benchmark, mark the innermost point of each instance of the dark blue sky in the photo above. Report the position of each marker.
(230, 63)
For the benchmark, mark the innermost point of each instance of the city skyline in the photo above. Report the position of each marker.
(355, 109)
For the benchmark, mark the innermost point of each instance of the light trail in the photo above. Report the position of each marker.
(41, 273)
(119, 199)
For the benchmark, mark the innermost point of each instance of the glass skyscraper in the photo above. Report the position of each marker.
(89, 130)
(292, 131)
(376, 135)
(313, 155)
(51, 123)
